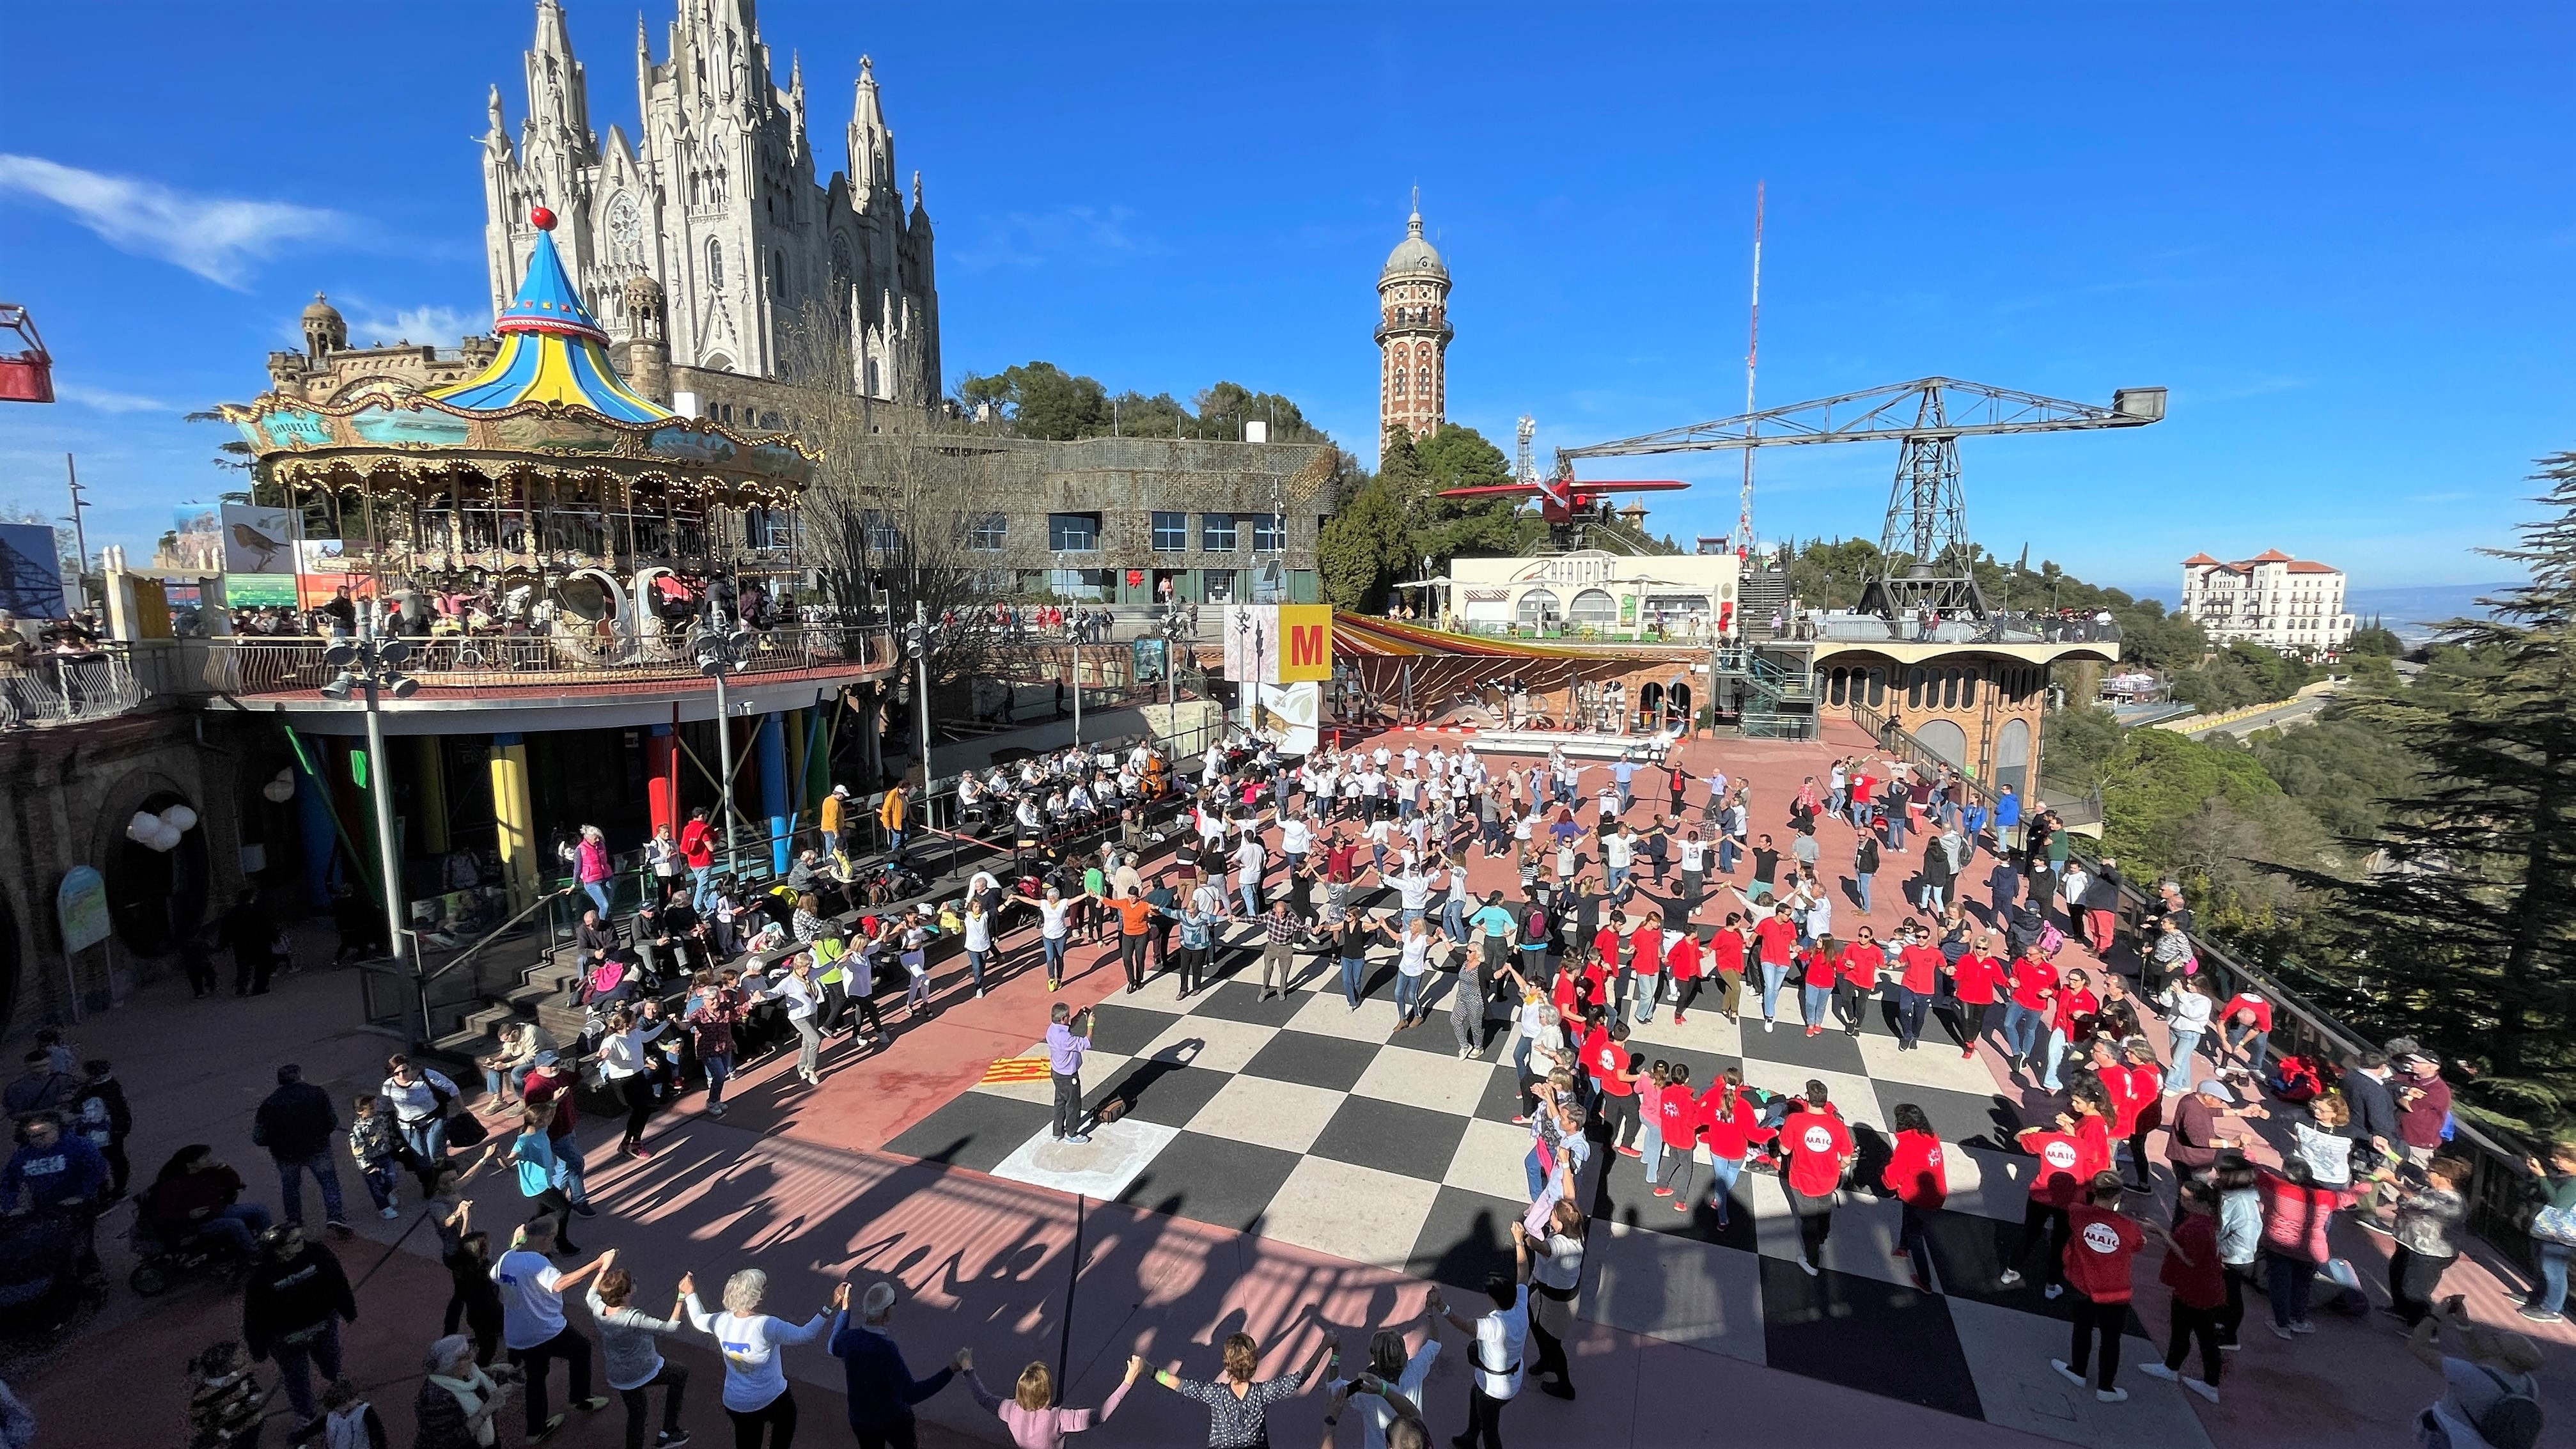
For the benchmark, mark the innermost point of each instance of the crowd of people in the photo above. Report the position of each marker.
(1640, 889)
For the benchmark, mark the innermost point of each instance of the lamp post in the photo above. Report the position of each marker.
(370, 667)
(719, 654)
(921, 639)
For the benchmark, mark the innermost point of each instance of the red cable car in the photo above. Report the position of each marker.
(26, 376)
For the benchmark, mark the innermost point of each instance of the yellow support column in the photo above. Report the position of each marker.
(515, 816)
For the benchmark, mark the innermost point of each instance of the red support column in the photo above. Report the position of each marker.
(662, 777)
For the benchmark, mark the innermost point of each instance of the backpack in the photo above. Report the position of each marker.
(2512, 1422)
(1534, 927)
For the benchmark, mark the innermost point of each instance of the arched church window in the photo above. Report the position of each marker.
(625, 231)
(1425, 381)
(843, 273)
(778, 274)
(715, 264)
(1399, 382)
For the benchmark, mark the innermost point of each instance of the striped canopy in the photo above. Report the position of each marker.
(552, 351)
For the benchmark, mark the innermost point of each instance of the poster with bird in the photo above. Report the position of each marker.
(258, 540)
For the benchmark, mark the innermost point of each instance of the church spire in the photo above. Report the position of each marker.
(871, 144)
(558, 94)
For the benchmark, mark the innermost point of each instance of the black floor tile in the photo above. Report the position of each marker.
(1391, 1137)
(1116, 1027)
(1465, 1238)
(1864, 1334)
(1623, 1196)
(1212, 1180)
(1330, 1062)
(1958, 1117)
(1789, 1045)
(1241, 1001)
(1969, 1254)
(977, 1130)
(1167, 1092)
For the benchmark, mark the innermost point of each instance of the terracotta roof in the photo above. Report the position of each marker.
(2310, 566)
(2200, 560)
(2269, 555)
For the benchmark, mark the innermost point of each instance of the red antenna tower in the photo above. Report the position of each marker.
(1752, 350)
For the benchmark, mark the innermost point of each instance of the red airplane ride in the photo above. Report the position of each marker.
(1563, 500)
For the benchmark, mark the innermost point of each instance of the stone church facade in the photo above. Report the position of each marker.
(716, 222)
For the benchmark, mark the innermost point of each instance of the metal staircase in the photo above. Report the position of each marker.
(1778, 692)
(1759, 594)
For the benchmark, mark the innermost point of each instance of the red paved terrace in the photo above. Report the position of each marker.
(1263, 1132)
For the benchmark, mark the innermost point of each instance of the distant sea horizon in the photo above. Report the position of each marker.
(2411, 613)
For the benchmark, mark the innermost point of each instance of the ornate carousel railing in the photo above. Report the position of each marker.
(463, 665)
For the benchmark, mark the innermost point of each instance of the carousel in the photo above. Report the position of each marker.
(542, 515)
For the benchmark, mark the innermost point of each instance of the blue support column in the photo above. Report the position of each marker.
(321, 836)
(771, 743)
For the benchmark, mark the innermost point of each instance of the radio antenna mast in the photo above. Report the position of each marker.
(1752, 350)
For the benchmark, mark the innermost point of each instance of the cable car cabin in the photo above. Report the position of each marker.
(26, 369)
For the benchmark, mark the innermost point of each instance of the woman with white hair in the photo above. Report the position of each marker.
(457, 1400)
(756, 1395)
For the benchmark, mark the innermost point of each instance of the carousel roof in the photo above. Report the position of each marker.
(552, 349)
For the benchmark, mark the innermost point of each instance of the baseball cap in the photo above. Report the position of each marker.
(544, 1059)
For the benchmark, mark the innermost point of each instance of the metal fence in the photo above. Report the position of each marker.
(67, 688)
(469, 665)
(2499, 1193)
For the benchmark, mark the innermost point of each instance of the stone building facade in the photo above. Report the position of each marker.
(717, 204)
(1413, 335)
(2294, 605)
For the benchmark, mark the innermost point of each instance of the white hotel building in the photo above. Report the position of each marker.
(2290, 604)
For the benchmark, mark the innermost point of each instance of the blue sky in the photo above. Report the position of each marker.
(2341, 234)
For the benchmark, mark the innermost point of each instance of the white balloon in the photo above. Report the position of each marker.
(179, 818)
(165, 840)
(142, 828)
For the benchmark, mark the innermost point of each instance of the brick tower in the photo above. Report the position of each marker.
(1413, 333)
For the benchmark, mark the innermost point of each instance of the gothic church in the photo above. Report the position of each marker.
(716, 232)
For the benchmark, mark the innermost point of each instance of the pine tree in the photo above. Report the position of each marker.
(2463, 932)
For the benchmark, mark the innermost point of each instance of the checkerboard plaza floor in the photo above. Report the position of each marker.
(1302, 1120)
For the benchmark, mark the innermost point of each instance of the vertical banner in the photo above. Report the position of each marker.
(1251, 634)
(1306, 648)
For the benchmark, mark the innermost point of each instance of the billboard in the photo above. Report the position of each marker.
(1306, 640)
(1251, 634)
(31, 572)
(257, 540)
(196, 540)
(259, 591)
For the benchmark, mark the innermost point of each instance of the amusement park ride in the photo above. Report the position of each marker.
(26, 370)
(1565, 503)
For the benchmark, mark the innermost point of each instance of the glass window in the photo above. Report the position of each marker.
(1595, 607)
(1968, 690)
(1536, 606)
(1073, 532)
(1216, 532)
(1081, 583)
(1216, 586)
(1171, 532)
(883, 535)
(1914, 689)
(1877, 688)
(1269, 533)
(984, 535)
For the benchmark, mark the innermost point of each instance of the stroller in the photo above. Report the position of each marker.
(40, 1278)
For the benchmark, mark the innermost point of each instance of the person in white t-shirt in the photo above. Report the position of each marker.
(1391, 1386)
(532, 1321)
(756, 1395)
(1494, 1343)
(1556, 1268)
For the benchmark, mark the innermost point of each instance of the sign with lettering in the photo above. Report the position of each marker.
(80, 905)
(1306, 648)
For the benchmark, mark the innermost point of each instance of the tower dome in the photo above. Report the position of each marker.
(325, 330)
(1414, 254)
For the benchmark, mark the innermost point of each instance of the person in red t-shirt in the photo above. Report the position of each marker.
(1856, 976)
(2034, 984)
(2057, 1180)
(2100, 1247)
(1975, 980)
(1676, 1111)
(1683, 961)
(1918, 979)
(1615, 1071)
(1775, 941)
(2070, 1020)
(1920, 1179)
(1645, 964)
(1732, 1127)
(2199, 1285)
(2147, 1090)
(1819, 1149)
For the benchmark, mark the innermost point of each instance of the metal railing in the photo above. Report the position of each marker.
(2499, 1192)
(68, 688)
(470, 664)
(1997, 628)
(1686, 632)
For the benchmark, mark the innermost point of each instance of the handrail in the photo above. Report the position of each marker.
(495, 934)
(468, 665)
(2498, 1186)
(68, 688)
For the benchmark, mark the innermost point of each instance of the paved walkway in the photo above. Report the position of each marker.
(798, 1181)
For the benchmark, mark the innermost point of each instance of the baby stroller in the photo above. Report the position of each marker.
(40, 1279)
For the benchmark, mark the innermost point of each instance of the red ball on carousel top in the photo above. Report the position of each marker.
(541, 219)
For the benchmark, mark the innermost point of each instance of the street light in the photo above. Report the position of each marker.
(371, 667)
(719, 654)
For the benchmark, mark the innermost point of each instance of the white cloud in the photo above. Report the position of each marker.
(216, 237)
(1028, 239)
(441, 326)
(99, 399)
